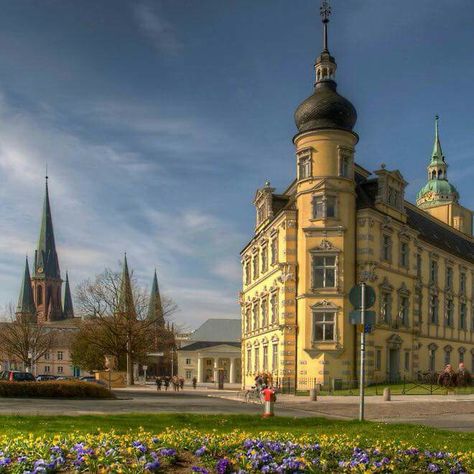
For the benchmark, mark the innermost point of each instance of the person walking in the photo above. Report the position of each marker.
(463, 376)
(167, 383)
(181, 383)
(448, 378)
(194, 383)
(158, 382)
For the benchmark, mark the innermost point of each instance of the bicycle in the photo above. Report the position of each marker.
(253, 395)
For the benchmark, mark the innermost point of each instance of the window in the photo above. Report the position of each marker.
(264, 259)
(208, 362)
(260, 214)
(265, 358)
(264, 308)
(255, 266)
(461, 354)
(255, 316)
(387, 248)
(46, 356)
(449, 313)
(404, 254)
(407, 361)
(248, 319)
(404, 308)
(324, 271)
(304, 166)
(60, 369)
(275, 357)
(249, 360)
(257, 359)
(447, 356)
(462, 283)
(434, 307)
(386, 307)
(449, 278)
(393, 196)
(189, 374)
(433, 271)
(462, 316)
(344, 166)
(324, 326)
(60, 355)
(39, 296)
(432, 359)
(324, 206)
(378, 359)
(248, 275)
(274, 246)
(188, 361)
(419, 263)
(47, 369)
(274, 307)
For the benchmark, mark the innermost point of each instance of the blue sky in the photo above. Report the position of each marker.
(159, 119)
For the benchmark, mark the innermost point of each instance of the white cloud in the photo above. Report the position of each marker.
(153, 25)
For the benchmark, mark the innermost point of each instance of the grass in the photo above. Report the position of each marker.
(419, 436)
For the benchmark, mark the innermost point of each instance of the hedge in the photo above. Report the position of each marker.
(54, 389)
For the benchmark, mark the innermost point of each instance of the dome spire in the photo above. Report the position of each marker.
(325, 12)
(437, 151)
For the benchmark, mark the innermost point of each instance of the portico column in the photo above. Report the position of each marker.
(232, 371)
(199, 374)
(216, 372)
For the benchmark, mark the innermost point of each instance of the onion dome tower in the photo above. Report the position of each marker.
(325, 108)
(438, 190)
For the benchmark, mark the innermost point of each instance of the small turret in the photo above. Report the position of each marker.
(68, 312)
(26, 306)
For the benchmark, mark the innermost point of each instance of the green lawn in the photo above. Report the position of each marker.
(419, 436)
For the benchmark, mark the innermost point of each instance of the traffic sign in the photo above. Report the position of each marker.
(355, 317)
(355, 296)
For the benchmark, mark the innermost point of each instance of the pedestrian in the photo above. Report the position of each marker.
(463, 377)
(158, 382)
(167, 383)
(195, 382)
(181, 383)
(448, 378)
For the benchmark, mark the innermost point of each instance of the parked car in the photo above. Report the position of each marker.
(45, 377)
(91, 378)
(16, 376)
(65, 377)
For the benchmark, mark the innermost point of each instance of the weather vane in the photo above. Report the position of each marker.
(325, 11)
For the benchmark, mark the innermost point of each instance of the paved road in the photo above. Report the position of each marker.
(442, 412)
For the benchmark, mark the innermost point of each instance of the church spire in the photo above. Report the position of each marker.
(325, 66)
(155, 308)
(26, 305)
(46, 257)
(437, 154)
(68, 311)
(126, 304)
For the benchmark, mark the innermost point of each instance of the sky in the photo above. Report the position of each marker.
(158, 120)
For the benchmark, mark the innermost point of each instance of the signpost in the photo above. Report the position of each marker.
(362, 297)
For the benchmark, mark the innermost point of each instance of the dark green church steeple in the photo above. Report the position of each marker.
(46, 257)
(68, 311)
(26, 304)
(126, 305)
(155, 308)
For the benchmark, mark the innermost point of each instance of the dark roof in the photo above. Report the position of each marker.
(218, 330)
(279, 201)
(204, 344)
(430, 231)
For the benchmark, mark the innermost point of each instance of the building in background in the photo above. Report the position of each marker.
(336, 225)
(214, 346)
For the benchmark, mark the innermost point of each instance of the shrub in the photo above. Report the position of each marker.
(54, 389)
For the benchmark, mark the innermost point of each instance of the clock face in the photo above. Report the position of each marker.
(40, 270)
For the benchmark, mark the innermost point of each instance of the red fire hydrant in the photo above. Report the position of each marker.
(269, 399)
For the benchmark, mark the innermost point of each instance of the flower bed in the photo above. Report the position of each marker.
(191, 451)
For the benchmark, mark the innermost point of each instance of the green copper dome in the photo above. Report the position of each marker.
(440, 187)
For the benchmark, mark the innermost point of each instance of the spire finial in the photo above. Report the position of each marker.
(325, 12)
(46, 175)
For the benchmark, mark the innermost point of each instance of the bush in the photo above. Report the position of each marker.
(54, 389)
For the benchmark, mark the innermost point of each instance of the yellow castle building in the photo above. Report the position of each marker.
(337, 225)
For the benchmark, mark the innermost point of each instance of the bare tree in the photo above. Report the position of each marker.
(25, 340)
(113, 328)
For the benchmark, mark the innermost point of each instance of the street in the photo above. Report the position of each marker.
(448, 412)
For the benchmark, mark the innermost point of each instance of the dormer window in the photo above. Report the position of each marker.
(304, 165)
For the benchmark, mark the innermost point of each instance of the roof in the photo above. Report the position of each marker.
(205, 344)
(437, 234)
(26, 304)
(218, 330)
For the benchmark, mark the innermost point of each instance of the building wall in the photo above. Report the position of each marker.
(425, 294)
